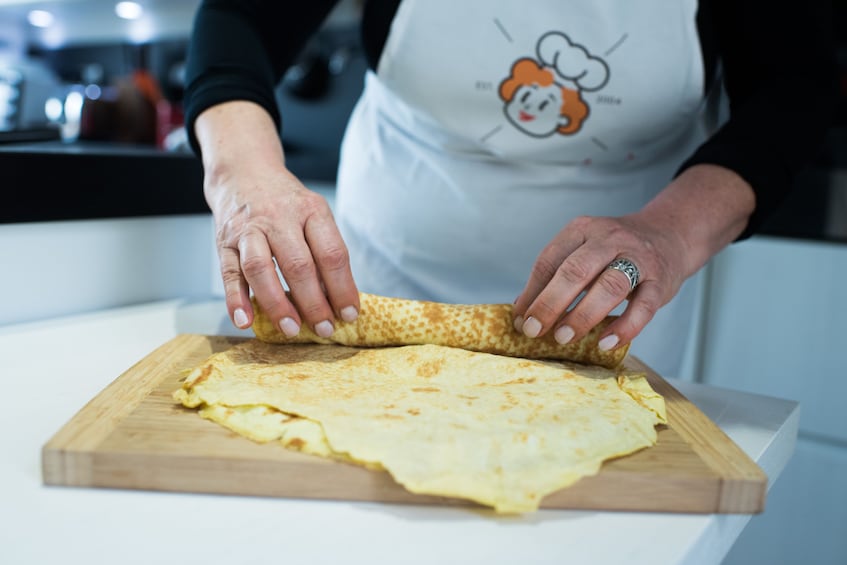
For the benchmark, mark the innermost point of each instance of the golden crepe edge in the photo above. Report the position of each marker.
(485, 328)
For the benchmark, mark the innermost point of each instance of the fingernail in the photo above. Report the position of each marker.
(519, 323)
(239, 317)
(531, 327)
(324, 329)
(289, 327)
(564, 335)
(349, 314)
(607, 342)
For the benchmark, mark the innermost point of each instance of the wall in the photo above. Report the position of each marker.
(775, 325)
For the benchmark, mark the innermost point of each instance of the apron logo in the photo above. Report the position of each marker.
(543, 95)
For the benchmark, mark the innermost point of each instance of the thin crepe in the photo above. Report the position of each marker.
(500, 431)
(486, 328)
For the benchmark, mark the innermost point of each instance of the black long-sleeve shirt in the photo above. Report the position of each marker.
(776, 60)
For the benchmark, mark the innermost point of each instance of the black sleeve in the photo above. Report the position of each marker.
(779, 71)
(239, 50)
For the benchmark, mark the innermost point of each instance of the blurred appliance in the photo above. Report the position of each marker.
(25, 88)
(316, 97)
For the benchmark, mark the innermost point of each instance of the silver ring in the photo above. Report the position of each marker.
(628, 268)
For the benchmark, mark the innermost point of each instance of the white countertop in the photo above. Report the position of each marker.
(49, 370)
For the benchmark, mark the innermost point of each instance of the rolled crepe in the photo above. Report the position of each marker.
(485, 328)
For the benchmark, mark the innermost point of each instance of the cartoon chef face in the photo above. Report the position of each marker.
(537, 105)
(535, 109)
(543, 95)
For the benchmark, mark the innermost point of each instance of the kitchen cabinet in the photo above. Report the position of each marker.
(69, 267)
(776, 310)
(773, 323)
(806, 516)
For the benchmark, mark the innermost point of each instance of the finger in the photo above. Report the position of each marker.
(236, 290)
(543, 271)
(643, 305)
(573, 276)
(333, 264)
(300, 272)
(609, 289)
(257, 264)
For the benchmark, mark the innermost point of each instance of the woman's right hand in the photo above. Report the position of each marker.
(265, 217)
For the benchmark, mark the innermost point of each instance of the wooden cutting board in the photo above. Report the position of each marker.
(134, 435)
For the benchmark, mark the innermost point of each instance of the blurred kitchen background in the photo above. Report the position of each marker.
(101, 70)
(102, 206)
(93, 148)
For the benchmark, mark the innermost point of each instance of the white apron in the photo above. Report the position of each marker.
(489, 125)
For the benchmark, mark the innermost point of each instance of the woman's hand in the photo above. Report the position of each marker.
(265, 217)
(576, 261)
(697, 215)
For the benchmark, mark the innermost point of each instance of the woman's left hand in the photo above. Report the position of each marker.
(577, 261)
(698, 214)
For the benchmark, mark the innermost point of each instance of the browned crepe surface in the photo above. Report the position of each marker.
(487, 328)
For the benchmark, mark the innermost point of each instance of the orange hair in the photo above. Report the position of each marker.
(527, 72)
